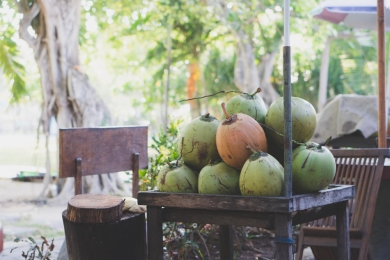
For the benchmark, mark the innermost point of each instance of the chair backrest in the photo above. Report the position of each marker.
(90, 151)
(362, 168)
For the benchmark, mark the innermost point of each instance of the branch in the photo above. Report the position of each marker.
(25, 22)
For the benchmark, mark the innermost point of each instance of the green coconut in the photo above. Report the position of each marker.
(251, 105)
(219, 178)
(303, 121)
(313, 168)
(261, 175)
(197, 142)
(177, 177)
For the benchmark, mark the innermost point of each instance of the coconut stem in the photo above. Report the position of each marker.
(258, 90)
(326, 142)
(224, 111)
(250, 148)
(207, 115)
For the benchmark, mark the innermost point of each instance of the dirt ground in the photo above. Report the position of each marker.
(22, 219)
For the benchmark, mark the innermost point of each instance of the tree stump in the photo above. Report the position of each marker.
(96, 228)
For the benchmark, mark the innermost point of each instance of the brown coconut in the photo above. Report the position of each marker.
(235, 134)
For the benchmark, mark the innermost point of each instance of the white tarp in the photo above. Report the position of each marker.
(345, 114)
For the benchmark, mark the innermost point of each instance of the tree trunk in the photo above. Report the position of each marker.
(67, 92)
(192, 88)
(247, 76)
(323, 89)
(265, 68)
(166, 90)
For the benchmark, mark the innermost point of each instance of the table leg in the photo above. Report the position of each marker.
(226, 242)
(155, 234)
(283, 235)
(342, 226)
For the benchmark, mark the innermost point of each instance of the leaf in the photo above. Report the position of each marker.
(32, 240)
(17, 239)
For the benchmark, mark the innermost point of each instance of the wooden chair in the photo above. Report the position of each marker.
(90, 151)
(362, 168)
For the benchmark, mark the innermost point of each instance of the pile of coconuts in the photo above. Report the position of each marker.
(243, 153)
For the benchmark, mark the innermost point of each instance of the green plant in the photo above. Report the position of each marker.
(36, 251)
(180, 241)
(165, 148)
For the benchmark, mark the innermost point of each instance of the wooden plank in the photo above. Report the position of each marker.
(361, 152)
(283, 232)
(135, 174)
(323, 197)
(342, 226)
(328, 242)
(221, 217)
(78, 181)
(155, 234)
(214, 202)
(382, 95)
(102, 149)
(226, 242)
(306, 216)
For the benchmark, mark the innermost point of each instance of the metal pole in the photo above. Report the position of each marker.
(283, 221)
(287, 103)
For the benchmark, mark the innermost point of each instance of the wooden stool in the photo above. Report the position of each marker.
(96, 228)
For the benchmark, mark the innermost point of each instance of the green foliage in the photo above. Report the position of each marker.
(179, 240)
(35, 251)
(9, 62)
(165, 151)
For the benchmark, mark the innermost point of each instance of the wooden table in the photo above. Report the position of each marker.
(266, 212)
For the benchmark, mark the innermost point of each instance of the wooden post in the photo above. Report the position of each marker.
(342, 226)
(382, 113)
(323, 89)
(283, 236)
(226, 242)
(155, 234)
(135, 174)
(78, 179)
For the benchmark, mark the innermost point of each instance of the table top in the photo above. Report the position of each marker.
(335, 193)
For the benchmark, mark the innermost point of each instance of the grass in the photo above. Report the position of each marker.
(25, 149)
(37, 229)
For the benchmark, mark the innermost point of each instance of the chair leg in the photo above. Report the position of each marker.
(299, 254)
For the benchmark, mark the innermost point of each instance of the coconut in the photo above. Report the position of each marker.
(234, 134)
(251, 105)
(219, 178)
(261, 175)
(303, 120)
(177, 177)
(313, 168)
(197, 142)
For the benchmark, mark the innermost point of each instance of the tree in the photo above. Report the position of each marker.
(67, 93)
(9, 63)
(240, 18)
